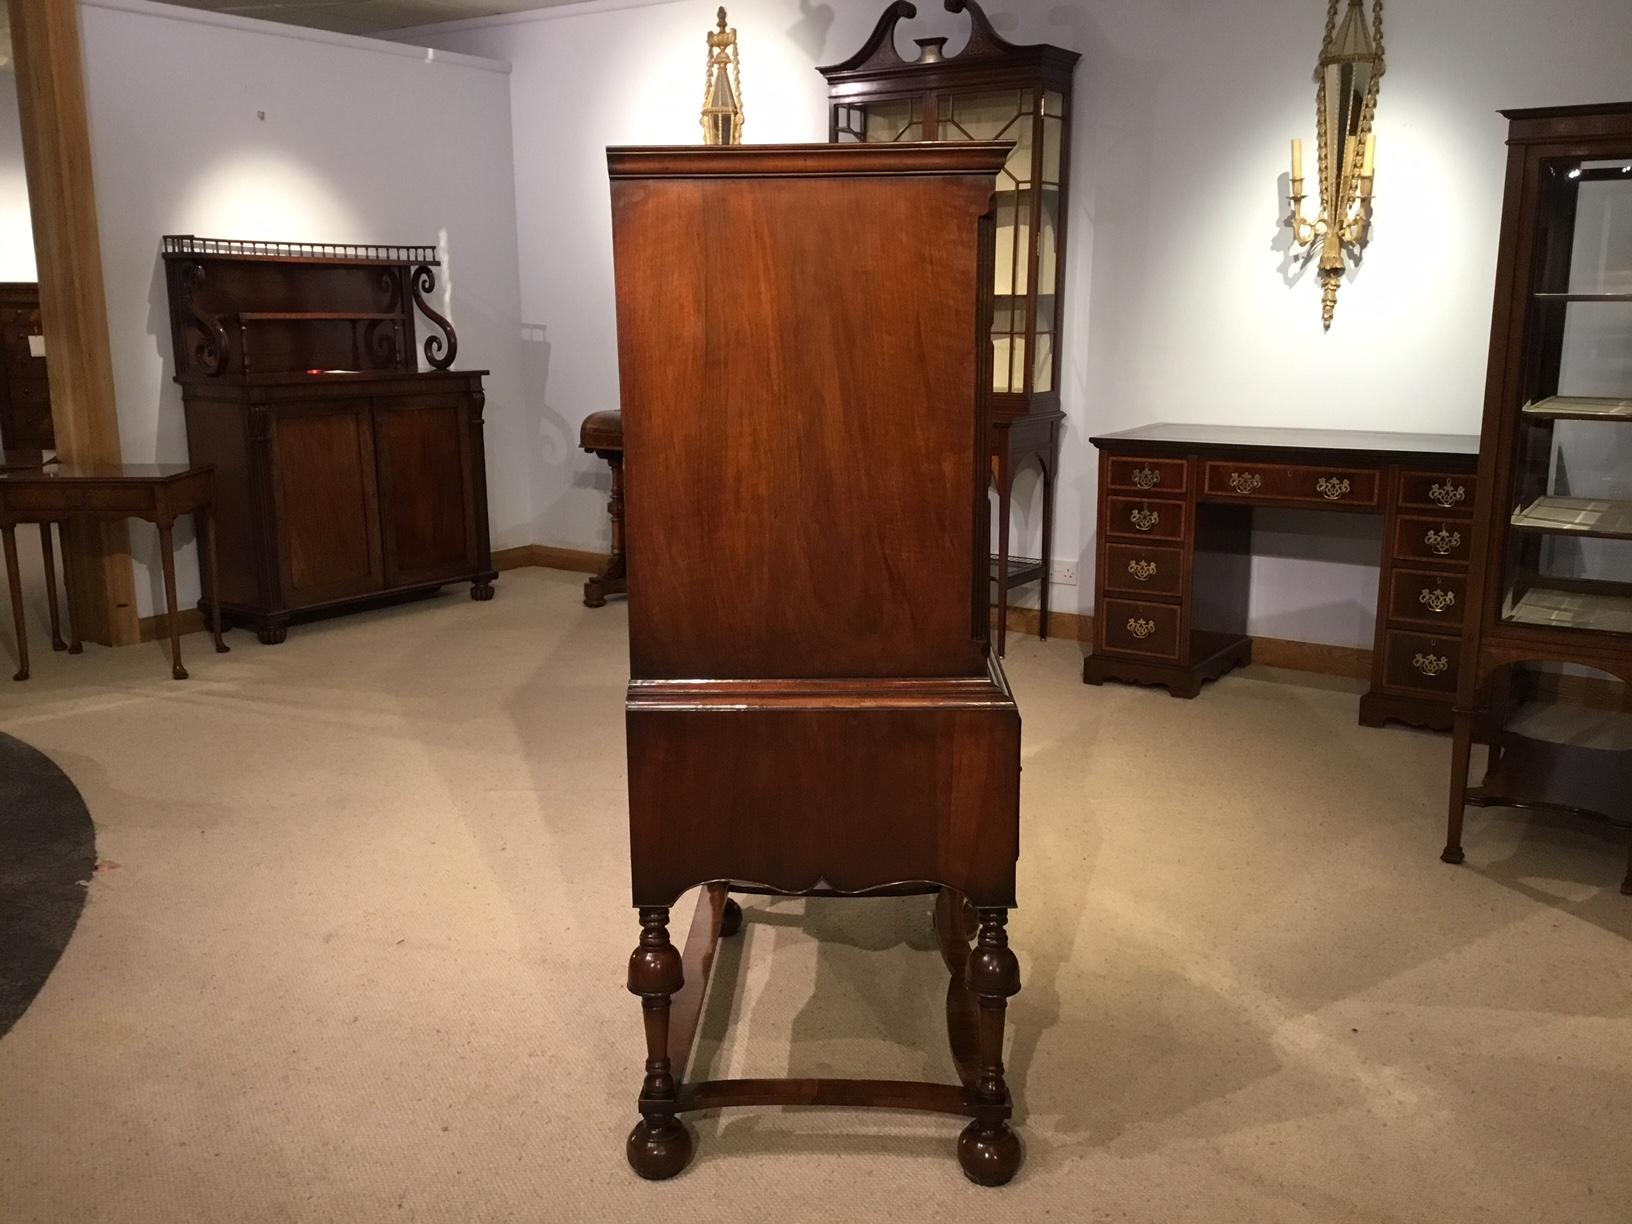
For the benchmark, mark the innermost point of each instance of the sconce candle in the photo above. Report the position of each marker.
(1351, 65)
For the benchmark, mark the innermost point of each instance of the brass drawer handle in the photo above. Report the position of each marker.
(1444, 541)
(1438, 599)
(1146, 477)
(1142, 570)
(1332, 487)
(1144, 518)
(1245, 482)
(1140, 627)
(1447, 494)
(1431, 664)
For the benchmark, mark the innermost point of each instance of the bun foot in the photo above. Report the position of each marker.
(989, 1152)
(481, 592)
(659, 1147)
(730, 919)
(272, 635)
(1451, 854)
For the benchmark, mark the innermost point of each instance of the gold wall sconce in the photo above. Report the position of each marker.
(1351, 65)
(722, 88)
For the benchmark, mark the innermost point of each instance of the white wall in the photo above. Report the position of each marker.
(16, 233)
(231, 128)
(1181, 303)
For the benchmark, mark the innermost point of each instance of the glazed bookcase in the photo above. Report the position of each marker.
(1553, 536)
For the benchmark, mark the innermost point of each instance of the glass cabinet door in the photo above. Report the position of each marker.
(1568, 557)
(1025, 309)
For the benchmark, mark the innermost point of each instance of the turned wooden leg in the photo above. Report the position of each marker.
(1461, 753)
(48, 553)
(8, 535)
(988, 1148)
(1004, 489)
(167, 557)
(1048, 544)
(206, 535)
(659, 1146)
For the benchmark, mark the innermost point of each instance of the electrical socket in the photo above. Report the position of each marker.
(1062, 573)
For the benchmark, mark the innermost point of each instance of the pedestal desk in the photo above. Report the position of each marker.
(1174, 551)
(814, 709)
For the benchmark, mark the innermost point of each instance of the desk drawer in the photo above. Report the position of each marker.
(1432, 539)
(58, 497)
(1291, 484)
(1143, 568)
(1431, 597)
(1438, 491)
(1144, 517)
(1148, 629)
(1148, 475)
(1421, 662)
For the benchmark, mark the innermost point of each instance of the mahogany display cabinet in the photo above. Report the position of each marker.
(1552, 537)
(833, 725)
(990, 90)
(344, 473)
(25, 390)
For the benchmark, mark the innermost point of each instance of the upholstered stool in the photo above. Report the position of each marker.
(602, 434)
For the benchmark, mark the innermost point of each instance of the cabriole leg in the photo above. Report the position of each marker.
(659, 1146)
(988, 1148)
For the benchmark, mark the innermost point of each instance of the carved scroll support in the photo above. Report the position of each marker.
(439, 350)
(208, 338)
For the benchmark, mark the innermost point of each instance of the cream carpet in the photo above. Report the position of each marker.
(356, 950)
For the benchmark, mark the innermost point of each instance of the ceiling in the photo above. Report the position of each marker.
(365, 16)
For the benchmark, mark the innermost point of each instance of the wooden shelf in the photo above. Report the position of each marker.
(1584, 516)
(1022, 570)
(1584, 297)
(1580, 408)
(1601, 608)
(1548, 776)
(315, 316)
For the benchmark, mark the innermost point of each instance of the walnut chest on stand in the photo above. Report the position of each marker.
(814, 709)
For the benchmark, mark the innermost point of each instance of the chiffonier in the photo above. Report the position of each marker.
(344, 473)
(813, 708)
(1175, 543)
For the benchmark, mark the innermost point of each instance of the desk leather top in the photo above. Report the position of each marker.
(1170, 439)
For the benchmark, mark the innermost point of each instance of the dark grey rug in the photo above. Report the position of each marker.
(47, 855)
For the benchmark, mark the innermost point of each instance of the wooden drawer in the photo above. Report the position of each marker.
(1429, 597)
(1438, 491)
(1418, 538)
(1148, 475)
(1145, 518)
(1421, 662)
(1147, 629)
(55, 497)
(1291, 484)
(1143, 568)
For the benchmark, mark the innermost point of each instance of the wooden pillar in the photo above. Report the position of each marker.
(50, 71)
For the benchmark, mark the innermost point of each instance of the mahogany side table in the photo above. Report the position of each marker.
(64, 492)
(602, 435)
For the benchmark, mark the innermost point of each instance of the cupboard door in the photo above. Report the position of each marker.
(427, 499)
(328, 534)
